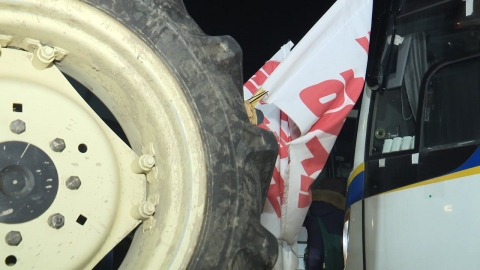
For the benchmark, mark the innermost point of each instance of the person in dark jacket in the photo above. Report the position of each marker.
(324, 224)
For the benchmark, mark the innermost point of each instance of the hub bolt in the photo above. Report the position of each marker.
(43, 57)
(56, 221)
(58, 145)
(143, 211)
(13, 238)
(143, 164)
(73, 182)
(18, 126)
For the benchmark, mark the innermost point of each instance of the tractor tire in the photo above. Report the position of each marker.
(237, 158)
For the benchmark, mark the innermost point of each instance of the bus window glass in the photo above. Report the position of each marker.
(394, 126)
(452, 105)
(427, 32)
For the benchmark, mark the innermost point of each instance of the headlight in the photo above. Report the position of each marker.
(345, 236)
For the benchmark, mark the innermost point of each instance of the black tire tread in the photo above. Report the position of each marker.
(240, 157)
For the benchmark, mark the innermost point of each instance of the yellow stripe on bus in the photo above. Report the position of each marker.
(360, 168)
(463, 173)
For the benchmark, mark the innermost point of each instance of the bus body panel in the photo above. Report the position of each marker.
(362, 128)
(355, 241)
(417, 157)
(355, 184)
(430, 226)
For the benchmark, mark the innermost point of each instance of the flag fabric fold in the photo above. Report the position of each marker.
(322, 63)
(311, 89)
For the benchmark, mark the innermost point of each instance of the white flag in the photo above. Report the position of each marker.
(332, 54)
(310, 94)
(275, 121)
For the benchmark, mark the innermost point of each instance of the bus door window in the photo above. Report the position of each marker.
(452, 105)
(422, 105)
(426, 33)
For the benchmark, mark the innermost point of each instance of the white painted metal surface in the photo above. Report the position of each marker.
(362, 128)
(53, 109)
(148, 102)
(355, 248)
(427, 227)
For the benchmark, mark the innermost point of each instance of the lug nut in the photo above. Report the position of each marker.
(58, 145)
(56, 221)
(13, 238)
(73, 182)
(147, 161)
(147, 208)
(143, 164)
(18, 126)
(143, 211)
(43, 57)
(47, 53)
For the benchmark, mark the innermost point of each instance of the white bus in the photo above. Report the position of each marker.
(414, 191)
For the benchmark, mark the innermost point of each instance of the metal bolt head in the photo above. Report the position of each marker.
(56, 221)
(13, 238)
(58, 145)
(18, 126)
(46, 53)
(73, 182)
(143, 164)
(147, 161)
(146, 208)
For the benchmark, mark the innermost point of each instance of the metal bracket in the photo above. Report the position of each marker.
(32, 45)
(5, 40)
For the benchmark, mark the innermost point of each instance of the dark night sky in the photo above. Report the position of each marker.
(261, 27)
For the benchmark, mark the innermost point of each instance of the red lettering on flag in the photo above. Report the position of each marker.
(283, 116)
(270, 66)
(305, 183)
(324, 96)
(363, 41)
(261, 75)
(275, 191)
(259, 78)
(251, 87)
(330, 95)
(320, 156)
(332, 122)
(284, 136)
(353, 86)
(283, 149)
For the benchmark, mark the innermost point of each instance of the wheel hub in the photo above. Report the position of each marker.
(154, 111)
(28, 182)
(63, 173)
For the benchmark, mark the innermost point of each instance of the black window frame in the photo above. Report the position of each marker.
(423, 90)
(419, 125)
